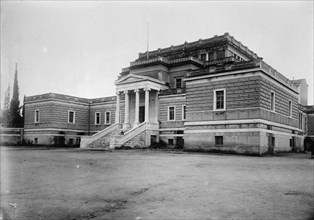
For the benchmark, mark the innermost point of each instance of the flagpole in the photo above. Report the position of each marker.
(147, 55)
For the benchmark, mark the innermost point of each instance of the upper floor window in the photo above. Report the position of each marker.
(290, 108)
(107, 118)
(272, 101)
(300, 121)
(211, 56)
(203, 56)
(71, 117)
(97, 118)
(220, 54)
(220, 99)
(183, 112)
(36, 116)
(178, 82)
(171, 113)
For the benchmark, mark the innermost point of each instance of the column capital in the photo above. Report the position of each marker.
(136, 90)
(147, 89)
(117, 92)
(126, 92)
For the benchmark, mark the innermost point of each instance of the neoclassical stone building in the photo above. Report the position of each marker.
(213, 95)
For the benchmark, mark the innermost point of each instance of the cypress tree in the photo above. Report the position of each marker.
(5, 113)
(15, 117)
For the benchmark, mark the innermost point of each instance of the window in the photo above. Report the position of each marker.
(220, 54)
(290, 109)
(183, 112)
(97, 118)
(219, 140)
(272, 101)
(203, 56)
(36, 116)
(107, 118)
(300, 121)
(71, 117)
(220, 99)
(171, 113)
(179, 83)
(35, 140)
(170, 141)
(71, 141)
(211, 56)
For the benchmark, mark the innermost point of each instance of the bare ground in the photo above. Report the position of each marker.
(144, 184)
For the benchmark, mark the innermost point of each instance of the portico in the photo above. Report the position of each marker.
(140, 100)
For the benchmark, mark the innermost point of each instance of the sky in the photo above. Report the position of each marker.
(78, 48)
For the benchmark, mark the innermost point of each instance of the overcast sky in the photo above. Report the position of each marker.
(79, 48)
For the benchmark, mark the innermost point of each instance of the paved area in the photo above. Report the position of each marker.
(144, 184)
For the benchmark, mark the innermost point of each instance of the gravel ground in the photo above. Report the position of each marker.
(71, 184)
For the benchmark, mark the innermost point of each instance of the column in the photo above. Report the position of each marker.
(157, 107)
(126, 110)
(137, 106)
(147, 104)
(117, 118)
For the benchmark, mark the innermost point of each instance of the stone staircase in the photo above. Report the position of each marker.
(110, 138)
(135, 137)
(100, 140)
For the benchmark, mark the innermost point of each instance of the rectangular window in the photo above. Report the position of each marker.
(300, 121)
(71, 117)
(179, 83)
(71, 141)
(170, 141)
(219, 140)
(107, 118)
(203, 56)
(272, 101)
(290, 109)
(220, 99)
(97, 118)
(183, 112)
(211, 56)
(35, 140)
(36, 116)
(171, 113)
(220, 54)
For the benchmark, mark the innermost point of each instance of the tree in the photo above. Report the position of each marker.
(15, 118)
(6, 107)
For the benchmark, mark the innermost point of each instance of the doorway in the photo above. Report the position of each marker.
(142, 114)
(271, 144)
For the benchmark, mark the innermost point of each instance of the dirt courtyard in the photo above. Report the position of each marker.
(147, 184)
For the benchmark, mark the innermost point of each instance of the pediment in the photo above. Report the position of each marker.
(131, 78)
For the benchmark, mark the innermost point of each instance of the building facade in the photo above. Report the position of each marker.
(211, 95)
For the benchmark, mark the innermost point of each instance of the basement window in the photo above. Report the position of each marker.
(170, 141)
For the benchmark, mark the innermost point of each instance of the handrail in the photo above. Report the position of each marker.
(133, 132)
(102, 132)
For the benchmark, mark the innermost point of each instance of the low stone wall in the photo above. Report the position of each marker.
(11, 136)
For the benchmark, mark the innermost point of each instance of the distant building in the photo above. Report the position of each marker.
(212, 95)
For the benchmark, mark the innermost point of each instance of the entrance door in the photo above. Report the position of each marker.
(271, 144)
(180, 142)
(142, 114)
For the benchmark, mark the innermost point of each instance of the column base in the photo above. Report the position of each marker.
(126, 126)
